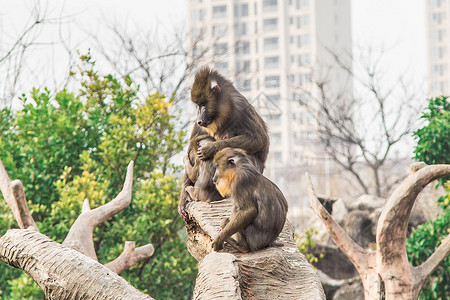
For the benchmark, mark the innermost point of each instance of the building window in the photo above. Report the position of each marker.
(197, 15)
(240, 29)
(219, 11)
(271, 62)
(298, 137)
(305, 20)
(220, 30)
(305, 40)
(241, 10)
(221, 67)
(436, 18)
(438, 52)
(271, 43)
(196, 34)
(273, 120)
(270, 24)
(302, 99)
(197, 51)
(242, 47)
(275, 98)
(220, 48)
(277, 156)
(246, 85)
(270, 5)
(272, 81)
(275, 138)
(305, 59)
(243, 66)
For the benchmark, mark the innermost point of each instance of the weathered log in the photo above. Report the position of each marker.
(279, 272)
(61, 272)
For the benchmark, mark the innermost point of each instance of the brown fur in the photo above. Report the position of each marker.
(259, 207)
(202, 173)
(228, 117)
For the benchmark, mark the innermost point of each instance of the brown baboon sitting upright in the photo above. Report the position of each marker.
(224, 114)
(259, 207)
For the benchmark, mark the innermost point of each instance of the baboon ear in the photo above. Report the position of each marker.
(233, 160)
(215, 87)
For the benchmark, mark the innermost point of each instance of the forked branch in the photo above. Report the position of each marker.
(80, 236)
(129, 256)
(351, 249)
(15, 198)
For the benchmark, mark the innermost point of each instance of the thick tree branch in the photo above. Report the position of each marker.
(422, 272)
(393, 221)
(130, 256)
(61, 272)
(80, 236)
(15, 198)
(348, 246)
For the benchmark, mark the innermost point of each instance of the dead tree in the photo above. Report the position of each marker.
(70, 270)
(359, 127)
(386, 272)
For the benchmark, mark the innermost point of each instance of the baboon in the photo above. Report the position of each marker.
(201, 173)
(259, 207)
(226, 115)
(188, 177)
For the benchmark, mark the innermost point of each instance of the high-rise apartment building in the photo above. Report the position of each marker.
(272, 50)
(438, 41)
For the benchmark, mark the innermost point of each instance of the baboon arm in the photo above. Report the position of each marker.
(238, 222)
(251, 144)
(190, 170)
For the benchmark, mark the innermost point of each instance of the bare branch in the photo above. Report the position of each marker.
(15, 198)
(422, 272)
(22, 205)
(351, 249)
(393, 221)
(130, 256)
(80, 236)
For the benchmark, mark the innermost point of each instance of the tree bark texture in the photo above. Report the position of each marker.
(386, 272)
(279, 272)
(61, 272)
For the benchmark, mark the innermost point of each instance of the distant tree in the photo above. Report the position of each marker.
(360, 122)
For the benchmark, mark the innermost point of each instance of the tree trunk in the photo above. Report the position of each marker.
(61, 272)
(279, 272)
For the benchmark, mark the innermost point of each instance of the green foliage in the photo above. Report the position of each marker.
(67, 147)
(24, 288)
(421, 244)
(305, 244)
(433, 147)
(433, 140)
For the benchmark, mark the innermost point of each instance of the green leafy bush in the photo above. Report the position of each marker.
(433, 147)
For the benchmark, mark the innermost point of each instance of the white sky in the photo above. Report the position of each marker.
(396, 25)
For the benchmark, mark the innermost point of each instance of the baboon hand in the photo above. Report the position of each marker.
(217, 244)
(182, 212)
(206, 152)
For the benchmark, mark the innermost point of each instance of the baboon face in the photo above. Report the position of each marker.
(203, 94)
(226, 163)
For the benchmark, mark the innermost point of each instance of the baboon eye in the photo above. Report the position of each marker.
(231, 161)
